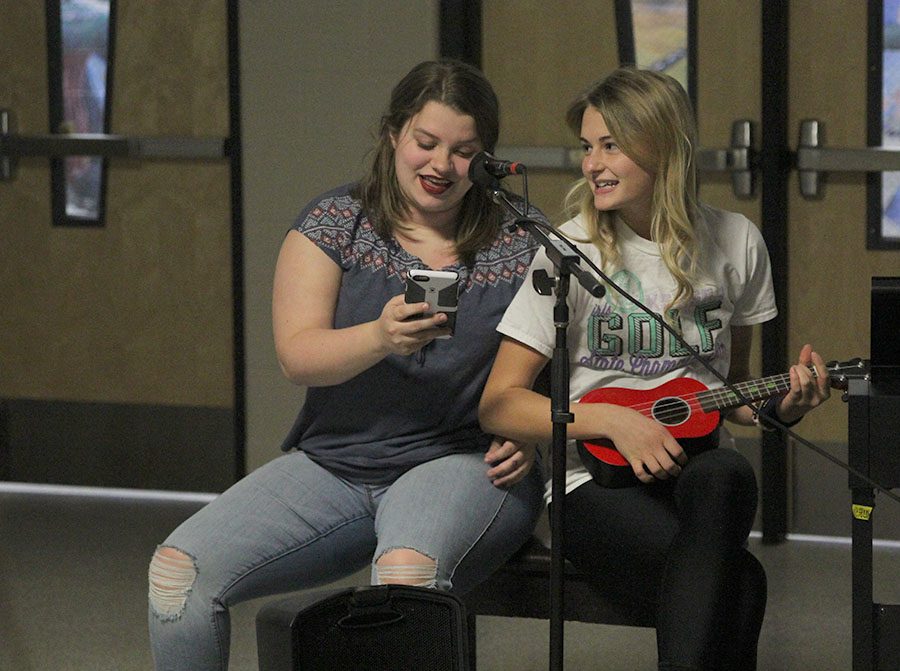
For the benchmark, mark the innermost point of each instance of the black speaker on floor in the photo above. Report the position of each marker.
(885, 358)
(382, 628)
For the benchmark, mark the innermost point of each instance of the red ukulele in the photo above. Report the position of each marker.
(689, 410)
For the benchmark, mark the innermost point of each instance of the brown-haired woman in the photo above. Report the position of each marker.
(387, 465)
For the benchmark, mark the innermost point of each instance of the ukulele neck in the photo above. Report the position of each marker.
(752, 390)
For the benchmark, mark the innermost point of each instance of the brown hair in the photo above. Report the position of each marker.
(465, 89)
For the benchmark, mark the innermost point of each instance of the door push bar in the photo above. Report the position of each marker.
(738, 159)
(813, 160)
(14, 146)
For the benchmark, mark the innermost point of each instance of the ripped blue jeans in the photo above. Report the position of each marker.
(293, 525)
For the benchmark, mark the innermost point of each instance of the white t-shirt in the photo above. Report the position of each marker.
(612, 342)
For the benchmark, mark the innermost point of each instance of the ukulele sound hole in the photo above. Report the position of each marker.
(671, 411)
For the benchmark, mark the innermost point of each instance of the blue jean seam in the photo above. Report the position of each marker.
(266, 562)
(481, 535)
(274, 558)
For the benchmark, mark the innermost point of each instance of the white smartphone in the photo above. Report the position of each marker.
(438, 288)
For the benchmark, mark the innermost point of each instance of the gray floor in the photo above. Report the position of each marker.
(73, 596)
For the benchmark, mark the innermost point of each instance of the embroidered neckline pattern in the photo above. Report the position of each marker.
(341, 227)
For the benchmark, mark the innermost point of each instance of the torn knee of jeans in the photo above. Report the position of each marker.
(405, 566)
(172, 575)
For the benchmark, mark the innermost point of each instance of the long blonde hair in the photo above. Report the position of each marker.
(650, 117)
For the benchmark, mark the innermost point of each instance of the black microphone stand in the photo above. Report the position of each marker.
(566, 262)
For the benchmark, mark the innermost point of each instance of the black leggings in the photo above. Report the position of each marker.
(677, 549)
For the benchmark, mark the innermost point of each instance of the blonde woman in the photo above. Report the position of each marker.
(674, 542)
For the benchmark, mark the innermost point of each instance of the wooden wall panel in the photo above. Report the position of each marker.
(538, 56)
(830, 267)
(172, 68)
(139, 311)
(116, 357)
(728, 89)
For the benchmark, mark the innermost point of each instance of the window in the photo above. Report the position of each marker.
(657, 35)
(79, 53)
(884, 122)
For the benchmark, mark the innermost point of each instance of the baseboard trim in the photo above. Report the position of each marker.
(833, 540)
(118, 445)
(118, 493)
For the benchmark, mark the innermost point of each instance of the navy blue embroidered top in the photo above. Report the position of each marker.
(404, 410)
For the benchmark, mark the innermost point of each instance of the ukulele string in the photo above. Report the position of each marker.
(776, 384)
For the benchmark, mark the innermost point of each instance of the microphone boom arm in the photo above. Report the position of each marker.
(559, 250)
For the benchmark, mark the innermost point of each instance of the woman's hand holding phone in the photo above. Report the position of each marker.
(402, 331)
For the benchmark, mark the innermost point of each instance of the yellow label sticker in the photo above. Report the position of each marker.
(862, 512)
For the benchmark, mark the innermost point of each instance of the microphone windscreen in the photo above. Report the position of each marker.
(478, 172)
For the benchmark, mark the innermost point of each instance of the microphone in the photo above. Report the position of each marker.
(485, 169)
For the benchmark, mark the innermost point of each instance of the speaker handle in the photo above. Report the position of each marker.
(370, 607)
